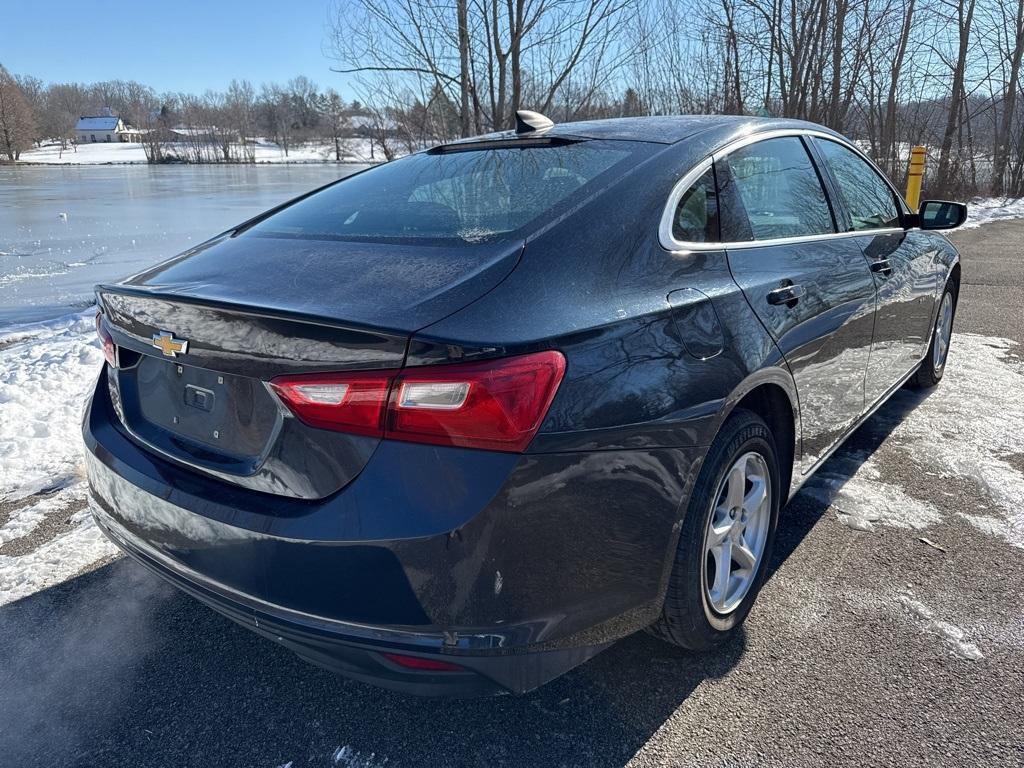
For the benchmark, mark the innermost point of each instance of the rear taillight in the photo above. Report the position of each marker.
(496, 404)
(344, 402)
(109, 350)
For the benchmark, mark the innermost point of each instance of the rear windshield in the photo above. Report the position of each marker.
(468, 196)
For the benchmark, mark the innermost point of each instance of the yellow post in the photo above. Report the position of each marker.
(914, 175)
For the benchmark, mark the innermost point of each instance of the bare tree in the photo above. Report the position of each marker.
(488, 58)
(962, 14)
(17, 126)
(1011, 18)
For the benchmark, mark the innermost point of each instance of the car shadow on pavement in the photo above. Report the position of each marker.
(116, 668)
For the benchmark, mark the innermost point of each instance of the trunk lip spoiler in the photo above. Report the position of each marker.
(274, 313)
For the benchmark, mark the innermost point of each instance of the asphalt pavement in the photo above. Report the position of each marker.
(880, 638)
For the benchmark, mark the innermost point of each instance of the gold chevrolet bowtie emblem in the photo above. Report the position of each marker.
(169, 345)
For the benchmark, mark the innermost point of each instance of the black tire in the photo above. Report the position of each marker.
(928, 373)
(688, 619)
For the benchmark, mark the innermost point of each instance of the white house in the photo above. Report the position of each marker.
(104, 128)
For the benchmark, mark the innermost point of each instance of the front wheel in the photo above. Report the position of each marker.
(932, 367)
(726, 539)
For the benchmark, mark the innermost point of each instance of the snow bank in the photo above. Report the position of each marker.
(46, 371)
(986, 210)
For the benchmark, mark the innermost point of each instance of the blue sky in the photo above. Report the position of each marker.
(184, 45)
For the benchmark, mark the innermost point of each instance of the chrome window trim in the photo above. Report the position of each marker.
(669, 243)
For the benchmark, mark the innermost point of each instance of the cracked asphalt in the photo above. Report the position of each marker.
(857, 653)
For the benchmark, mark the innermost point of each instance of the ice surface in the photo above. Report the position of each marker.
(64, 229)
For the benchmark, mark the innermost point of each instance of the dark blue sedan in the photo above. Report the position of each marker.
(456, 423)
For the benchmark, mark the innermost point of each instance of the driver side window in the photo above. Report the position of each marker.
(867, 197)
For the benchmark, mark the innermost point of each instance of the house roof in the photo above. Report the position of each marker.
(97, 123)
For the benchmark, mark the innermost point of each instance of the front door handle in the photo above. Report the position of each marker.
(881, 265)
(786, 294)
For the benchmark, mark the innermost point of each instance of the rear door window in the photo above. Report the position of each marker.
(869, 200)
(771, 190)
(466, 196)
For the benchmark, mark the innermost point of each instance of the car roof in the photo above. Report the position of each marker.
(662, 129)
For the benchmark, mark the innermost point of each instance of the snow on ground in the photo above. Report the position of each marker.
(46, 370)
(852, 483)
(23, 520)
(353, 150)
(57, 560)
(950, 634)
(972, 426)
(986, 210)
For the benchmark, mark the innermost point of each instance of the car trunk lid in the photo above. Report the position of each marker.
(196, 351)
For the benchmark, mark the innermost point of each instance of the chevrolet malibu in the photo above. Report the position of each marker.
(456, 423)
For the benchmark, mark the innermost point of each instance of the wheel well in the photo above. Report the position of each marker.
(954, 278)
(771, 403)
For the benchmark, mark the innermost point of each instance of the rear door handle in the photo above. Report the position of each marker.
(786, 294)
(881, 265)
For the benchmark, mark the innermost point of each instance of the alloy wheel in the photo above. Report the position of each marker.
(737, 531)
(943, 332)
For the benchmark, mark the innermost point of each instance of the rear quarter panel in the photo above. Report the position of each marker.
(635, 407)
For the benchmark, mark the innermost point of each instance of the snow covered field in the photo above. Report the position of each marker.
(354, 151)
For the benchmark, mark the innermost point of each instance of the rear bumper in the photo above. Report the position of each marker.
(354, 650)
(516, 568)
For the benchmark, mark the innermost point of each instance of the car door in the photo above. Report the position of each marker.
(810, 286)
(901, 262)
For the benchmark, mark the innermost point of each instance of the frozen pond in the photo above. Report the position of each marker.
(62, 230)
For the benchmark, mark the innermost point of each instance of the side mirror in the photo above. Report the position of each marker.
(941, 214)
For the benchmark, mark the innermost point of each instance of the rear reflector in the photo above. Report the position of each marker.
(422, 664)
(496, 405)
(109, 350)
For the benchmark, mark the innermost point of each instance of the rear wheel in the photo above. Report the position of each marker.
(932, 367)
(726, 539)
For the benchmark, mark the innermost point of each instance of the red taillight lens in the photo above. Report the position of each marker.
(109, 350)
(496, 405)
(422, 664)
(345, 402)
